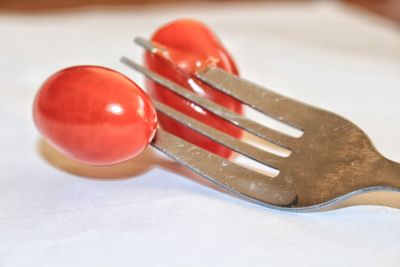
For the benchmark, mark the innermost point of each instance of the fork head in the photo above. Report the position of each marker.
(332, 160)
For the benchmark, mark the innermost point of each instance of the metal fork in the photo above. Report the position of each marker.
(331, 161)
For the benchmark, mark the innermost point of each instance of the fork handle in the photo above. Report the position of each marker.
(387, 174)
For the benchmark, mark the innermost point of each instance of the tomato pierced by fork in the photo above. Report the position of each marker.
(94, 115)
(189, 47)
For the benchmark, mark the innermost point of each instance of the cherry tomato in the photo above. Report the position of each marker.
(189, 47)
(94, 115)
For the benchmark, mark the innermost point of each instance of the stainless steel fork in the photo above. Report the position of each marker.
(331, 161)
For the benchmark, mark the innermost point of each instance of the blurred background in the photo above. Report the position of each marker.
(387, 8)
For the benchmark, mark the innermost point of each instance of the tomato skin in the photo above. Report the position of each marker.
(190, 46)
(94, 115)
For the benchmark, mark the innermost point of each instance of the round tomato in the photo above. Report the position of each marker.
(94, 115)
(190, 46)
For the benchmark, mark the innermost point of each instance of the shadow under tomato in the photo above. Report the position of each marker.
(132, 168)
(142, 163)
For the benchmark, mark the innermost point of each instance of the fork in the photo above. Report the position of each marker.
(332, 160)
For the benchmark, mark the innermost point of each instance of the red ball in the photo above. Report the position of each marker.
(95, 115)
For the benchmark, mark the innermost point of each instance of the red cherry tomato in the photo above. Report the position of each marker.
(95, 115)
(190, 46)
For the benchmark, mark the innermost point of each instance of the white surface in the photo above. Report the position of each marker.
(322, 53)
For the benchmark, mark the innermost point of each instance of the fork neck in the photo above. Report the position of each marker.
(387, 174)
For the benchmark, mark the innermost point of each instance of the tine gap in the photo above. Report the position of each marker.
(272, 123)
(253, 165)
(264, 145)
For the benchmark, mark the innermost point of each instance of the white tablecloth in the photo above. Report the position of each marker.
(153, 213)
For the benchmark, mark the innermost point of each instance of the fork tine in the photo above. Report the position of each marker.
(244, 182)
(277, 106)
(220, 137)
(246, 124)
(150, 46)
